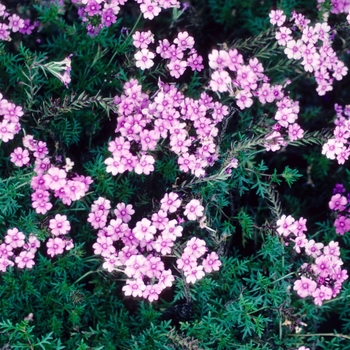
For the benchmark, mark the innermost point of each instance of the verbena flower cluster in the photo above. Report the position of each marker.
(338, 6)
(339, 146)
(138, 251)
(312, 45)
(98, 14)
(245, 81)
(9, 119)
(340, 204)
(143, 121)
(180, 53)
(13, 23)
(16, 249)
(322, 277)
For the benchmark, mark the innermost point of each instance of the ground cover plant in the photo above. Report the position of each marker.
(174, 175)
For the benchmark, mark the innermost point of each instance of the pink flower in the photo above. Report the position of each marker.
(299, 242)
(177, 68)
(4, 262)
(111, 262)
(277, 17)
(342, 224)
(312, 248)
(116, 229)
(14, 238)
(15, 23)
(322, 266)
(135, 266)
(295, 132)
(211, 263)
(153, 266)
(124, 212)
(20, 157)
(195, 247)
(304, 287)
(55, 178)
(141, 40)
(97, 219)
(285, 225)
(218, 59)
(134, 287)
(243, 99)
(338, 202)
(294, 49)
(163, 245)
(4, 33)
(152, 292)
(149, 9)
(55, 246)
(144, 59)
(194, 274)
(220, 80)
(332, 148)
(166, 279)
(59, 225)
(104, 246)
(25, 259)
(322, 293)
(332, 249)
(193, 210)
(7, 130)
(144, 230)
(184, 41)
(145, 165)
(170, 202)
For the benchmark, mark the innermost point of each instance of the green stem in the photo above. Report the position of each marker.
(127, 38)
(320, 335)
(336, 299)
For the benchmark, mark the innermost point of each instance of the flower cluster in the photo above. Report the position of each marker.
(137, 251)
(312, 45)
(49, 177)
(9, 123)
(13, 23)
(143, 121)
(103, 13)
(245, 81)
(340, 203)
(180, 53)
(16, 249)
(339, 146)
(322, 277)
(188, 262)
(59, 227)
(338, 6)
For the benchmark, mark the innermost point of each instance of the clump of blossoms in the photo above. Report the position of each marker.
(340, 204)
(138, 251)
(246, 81)
(180, 53)
(338, 6)
(16, 249)
(59, 228)
(142, 121)
(321, 278)
(9, 119)
(339, 146)
(49, 177)
(98, 14)
(13, 23)
(312, 45)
